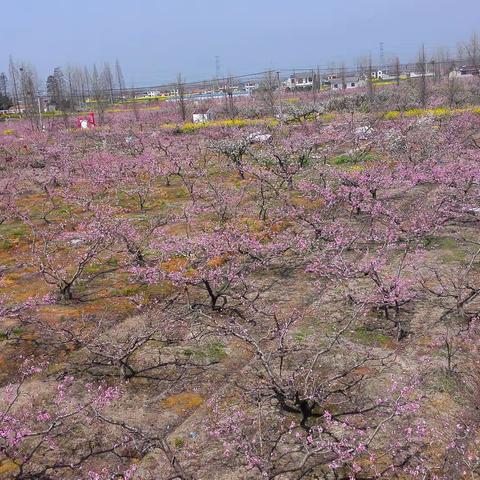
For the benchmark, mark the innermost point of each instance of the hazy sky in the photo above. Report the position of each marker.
(156, 39)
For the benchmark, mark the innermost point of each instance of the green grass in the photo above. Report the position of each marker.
(179, 442)
(302, 334)
(451, 251)
(446, 243)
(127, 291)
(341, 159)
(364, 335)
(98, 267)
(351, 159)
(11, 234)
(5, 244)
(63, 211)
(146, 100)
(17, 331)
(212, 351)
(181, 193)
(14, 230)
(444, 382)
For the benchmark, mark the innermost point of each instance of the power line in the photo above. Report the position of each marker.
(442, 67)
(217, 66)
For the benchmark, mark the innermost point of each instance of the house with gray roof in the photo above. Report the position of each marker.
(347, 83)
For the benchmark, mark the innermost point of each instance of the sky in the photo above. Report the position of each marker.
(154, 40)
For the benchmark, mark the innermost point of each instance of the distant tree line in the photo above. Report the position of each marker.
(70, 88)
(67, 89)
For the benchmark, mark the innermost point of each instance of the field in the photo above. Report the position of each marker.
(264, 296)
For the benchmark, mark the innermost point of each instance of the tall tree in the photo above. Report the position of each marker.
(5, 100)
(107, 78)
(3, 84)
(80, 84)
(30, 94)
(472, 50)
(443, 61)
(99, 93)
(5, 103)
(87, 78)
(14, 79)
(230, 108)
(56, 89)
(422, 80)
(181, 97)
(343, 75)
(267, 91)
(120, 78)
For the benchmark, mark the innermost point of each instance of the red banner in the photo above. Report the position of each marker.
(86, 122)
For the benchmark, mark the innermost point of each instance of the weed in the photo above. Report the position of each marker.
(364, 335)
(212, 351)
(302, 334)
(178, 442)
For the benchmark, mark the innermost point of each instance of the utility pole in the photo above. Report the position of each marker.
(40, 122)
(22, 85)
(278, 86)
(397, 70)
(314, 85)
(217, 71)
(370, 85)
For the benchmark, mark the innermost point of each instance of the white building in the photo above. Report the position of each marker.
(347, 83)
(202, 115)
(299, 81)
(418, 75)
(383, 75)
(465, 72)
(250, 87)
(17, 109)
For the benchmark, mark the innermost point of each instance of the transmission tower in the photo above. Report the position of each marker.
(382, 55)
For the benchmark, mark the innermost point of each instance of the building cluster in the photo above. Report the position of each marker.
(336, 81)
(347, 80)
(43, 105)
(465, 71)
